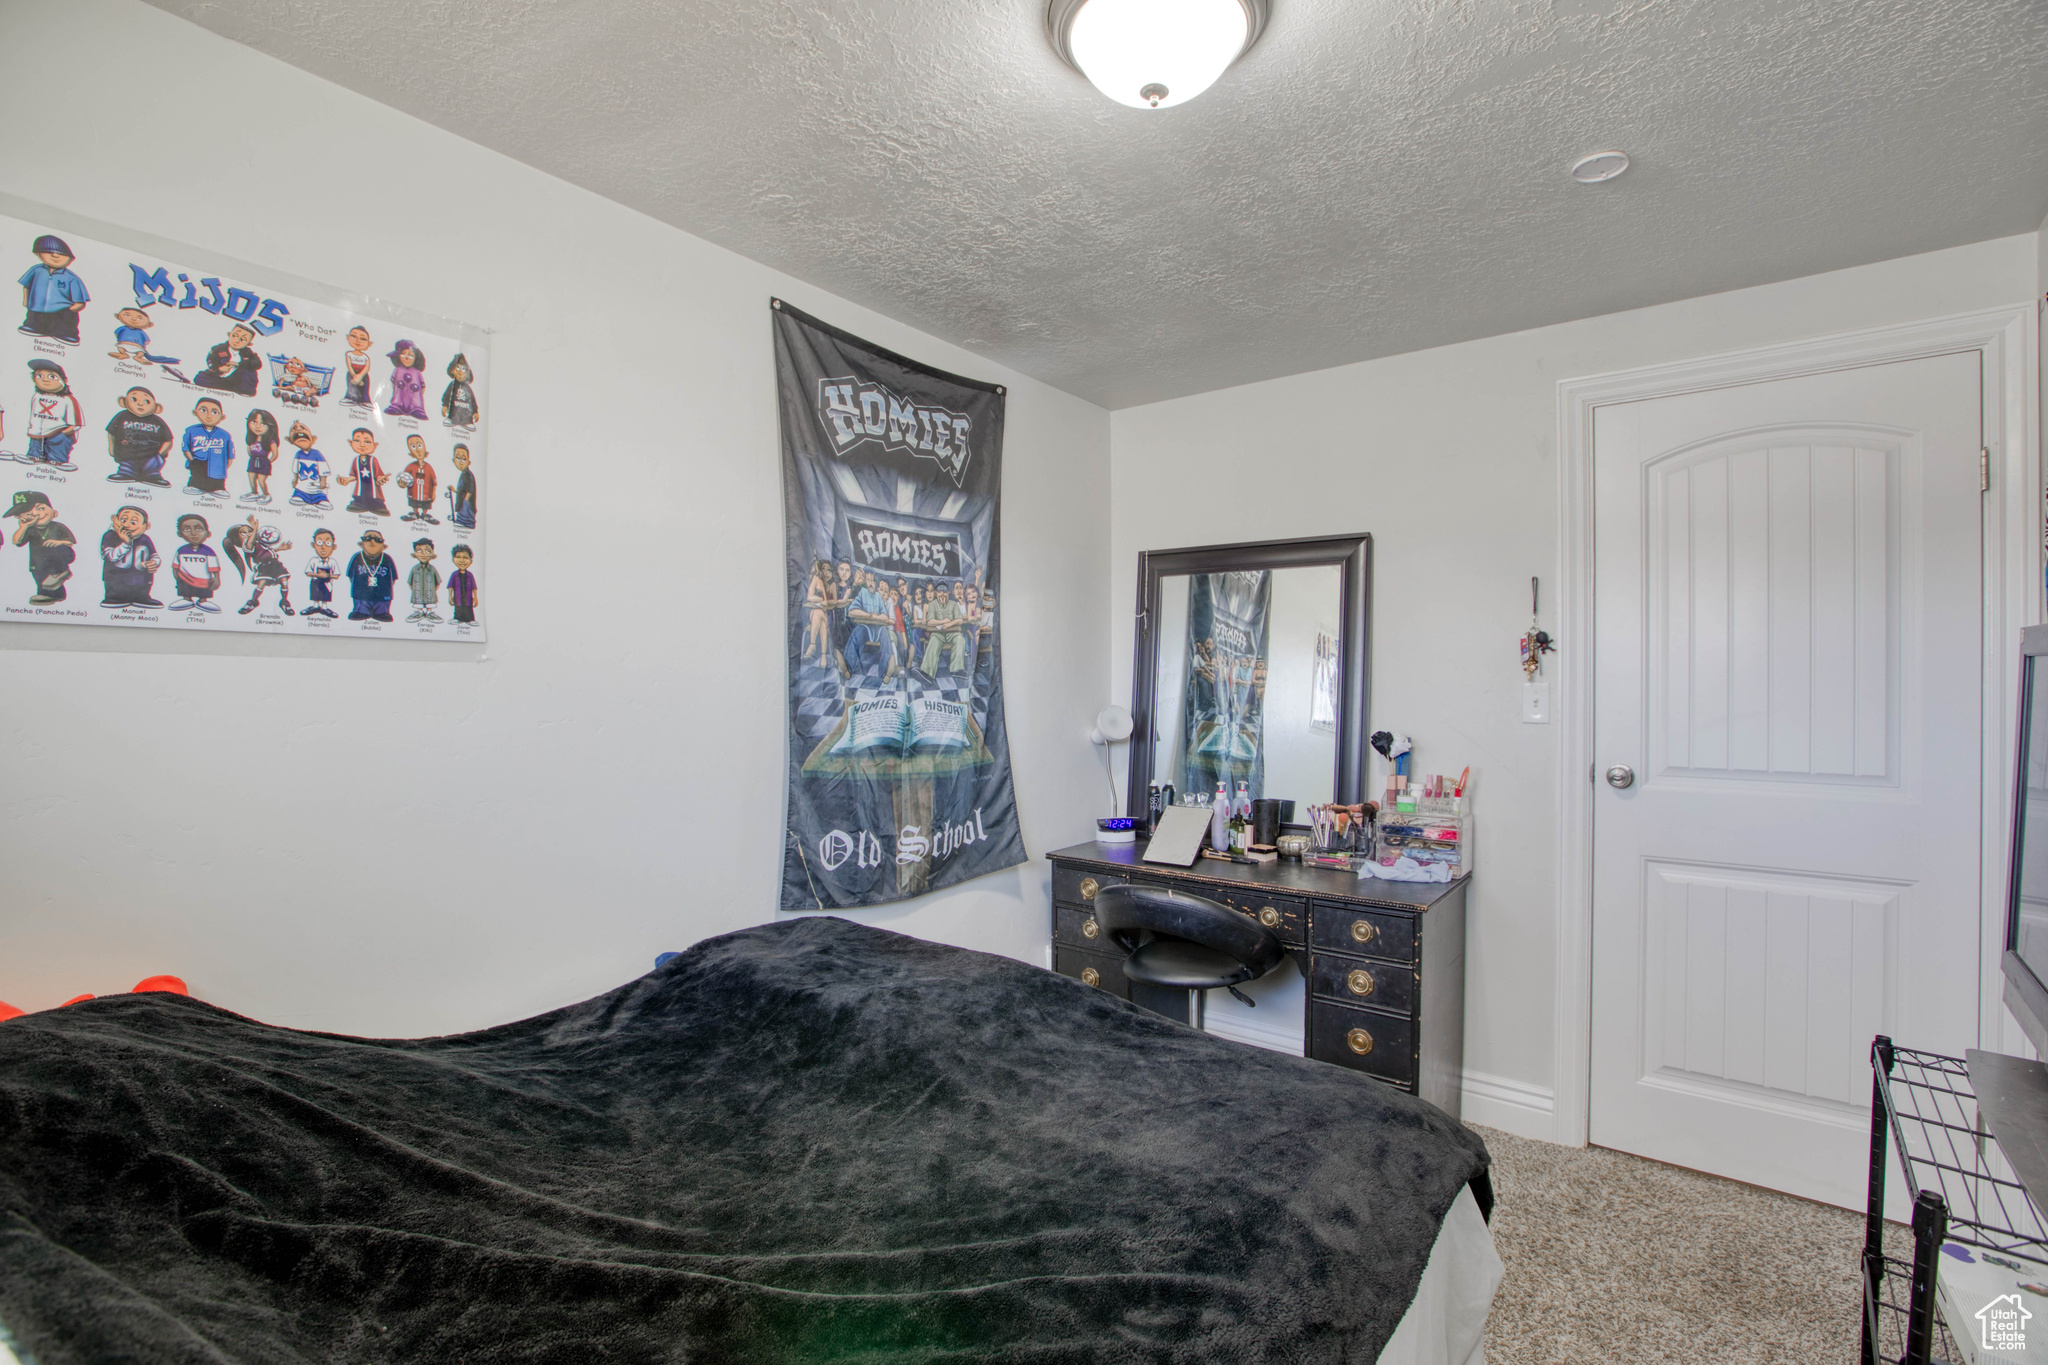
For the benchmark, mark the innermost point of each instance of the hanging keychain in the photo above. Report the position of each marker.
(1536, 643)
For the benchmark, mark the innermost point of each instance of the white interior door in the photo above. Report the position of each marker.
(1788, 606)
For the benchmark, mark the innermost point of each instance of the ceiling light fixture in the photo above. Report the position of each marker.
(1153, 54)
(1591, 170)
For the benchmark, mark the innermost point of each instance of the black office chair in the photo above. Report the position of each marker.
(1181, 945)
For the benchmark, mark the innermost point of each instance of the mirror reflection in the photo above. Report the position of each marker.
(2030, 882)
(1247, 683)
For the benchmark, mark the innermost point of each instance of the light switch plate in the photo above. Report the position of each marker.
(1535, 703)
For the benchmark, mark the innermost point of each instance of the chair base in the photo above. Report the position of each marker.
(1178, 1004)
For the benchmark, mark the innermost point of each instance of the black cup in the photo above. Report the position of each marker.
(1266, 813)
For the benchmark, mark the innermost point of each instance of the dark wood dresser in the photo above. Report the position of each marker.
(1384, 961)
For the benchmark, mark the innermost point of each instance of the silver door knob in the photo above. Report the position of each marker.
(1621, 775)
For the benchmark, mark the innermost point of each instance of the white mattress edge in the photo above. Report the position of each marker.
(1446, 1321)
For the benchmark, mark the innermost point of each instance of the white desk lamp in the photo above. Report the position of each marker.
(1113, 725)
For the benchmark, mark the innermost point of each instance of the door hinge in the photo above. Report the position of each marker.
(1984, 470)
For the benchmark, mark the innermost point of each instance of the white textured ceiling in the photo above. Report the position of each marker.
(1374, 177)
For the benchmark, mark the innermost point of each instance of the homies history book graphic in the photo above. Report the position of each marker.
(899, 762)
(184, 448)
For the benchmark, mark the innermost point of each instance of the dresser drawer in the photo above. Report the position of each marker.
(1357, 981)
(1078, 929)
(1078, 885)
(1372, 933)
(1095, 969)
(1286, 916)
(1364, 1040)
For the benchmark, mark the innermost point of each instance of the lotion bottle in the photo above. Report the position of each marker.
(1219, 819)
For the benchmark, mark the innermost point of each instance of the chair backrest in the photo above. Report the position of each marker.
(1133, 916)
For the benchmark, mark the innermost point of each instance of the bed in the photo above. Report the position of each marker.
(807, 1141)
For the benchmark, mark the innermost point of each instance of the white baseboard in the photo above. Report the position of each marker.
(1239, 1029)
(1512, 1106)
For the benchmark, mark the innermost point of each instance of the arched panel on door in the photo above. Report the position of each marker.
(1775, 631)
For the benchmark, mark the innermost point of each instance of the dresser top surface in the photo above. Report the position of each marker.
(1283, 876)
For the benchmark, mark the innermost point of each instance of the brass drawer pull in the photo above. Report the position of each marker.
(1360, 982)
(1089, 886)
(1269, 917)
(1091, 977)
(1359, 1041)
(1089, 929)
(1363, 932)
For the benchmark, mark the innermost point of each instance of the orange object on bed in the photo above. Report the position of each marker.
(175, 985)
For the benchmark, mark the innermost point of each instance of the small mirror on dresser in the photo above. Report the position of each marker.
(1250, 666)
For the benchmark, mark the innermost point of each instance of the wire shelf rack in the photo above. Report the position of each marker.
(1888, 1314)
(1963, 1191)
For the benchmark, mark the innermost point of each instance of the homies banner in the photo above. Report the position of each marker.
(1224, 718)
(899, 761)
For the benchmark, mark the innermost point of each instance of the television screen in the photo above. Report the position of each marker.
(2027, 930)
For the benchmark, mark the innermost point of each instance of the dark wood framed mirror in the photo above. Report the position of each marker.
(1252, 663)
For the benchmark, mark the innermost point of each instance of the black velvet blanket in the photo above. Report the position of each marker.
(810, 1141)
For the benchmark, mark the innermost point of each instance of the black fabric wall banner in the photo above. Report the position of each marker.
(1224, 716)
(899, 758)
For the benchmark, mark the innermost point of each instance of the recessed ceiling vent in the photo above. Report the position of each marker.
(1600, 166)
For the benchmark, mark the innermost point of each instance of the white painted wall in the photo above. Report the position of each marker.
(399, 841)
(1448, 458)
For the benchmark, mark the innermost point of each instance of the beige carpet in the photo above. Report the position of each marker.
(1611, 1258)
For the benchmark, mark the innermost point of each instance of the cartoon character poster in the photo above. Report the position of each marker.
(1223, 719)
(183, 447)
(899, 763)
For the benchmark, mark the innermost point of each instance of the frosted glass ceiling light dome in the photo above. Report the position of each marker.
(1153, 54)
